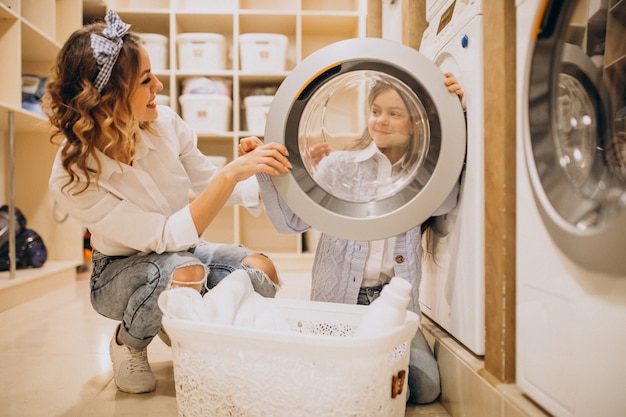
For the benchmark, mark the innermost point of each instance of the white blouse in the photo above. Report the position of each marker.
(144, 207)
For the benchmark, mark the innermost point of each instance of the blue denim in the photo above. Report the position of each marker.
(424, 381)
(126, 288)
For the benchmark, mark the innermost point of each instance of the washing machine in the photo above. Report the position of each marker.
(453, 282)
(571, 206)
(323, 102)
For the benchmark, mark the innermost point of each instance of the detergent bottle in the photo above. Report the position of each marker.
(386, 311)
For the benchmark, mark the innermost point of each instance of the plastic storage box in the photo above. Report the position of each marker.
(263, 52)
(156, 45)
(214, 5)
(319, 370)
(201, 51)
(206, 112)
(257, 108)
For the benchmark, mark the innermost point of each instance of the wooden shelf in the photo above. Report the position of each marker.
(31, 33)
(31, 282)
(25, 121)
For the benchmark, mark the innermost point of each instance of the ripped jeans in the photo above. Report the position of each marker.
(126, 288)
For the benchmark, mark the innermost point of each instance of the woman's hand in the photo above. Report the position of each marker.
(255, 157)
(453, 85)
(248, 144)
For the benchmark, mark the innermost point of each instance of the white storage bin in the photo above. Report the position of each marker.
(156, 45)
(257, 108)
(221, 5)
(263, 52)
(201, 51)
(206, 112)
(318, 370)
(145, 4)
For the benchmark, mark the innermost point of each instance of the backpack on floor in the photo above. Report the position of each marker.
(30, 251)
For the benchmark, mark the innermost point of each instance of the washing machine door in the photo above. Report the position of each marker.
(376, 141)
(576, 153)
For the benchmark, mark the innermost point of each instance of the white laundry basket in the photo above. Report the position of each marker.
(318, 370)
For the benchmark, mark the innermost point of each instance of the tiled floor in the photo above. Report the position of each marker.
(54, 360)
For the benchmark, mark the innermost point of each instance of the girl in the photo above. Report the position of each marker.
(347, 271)
(125, 170)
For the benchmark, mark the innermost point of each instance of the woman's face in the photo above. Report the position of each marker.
(143, 100)
(389, 122)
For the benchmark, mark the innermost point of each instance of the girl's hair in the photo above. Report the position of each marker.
(85, 118)
(379, 84)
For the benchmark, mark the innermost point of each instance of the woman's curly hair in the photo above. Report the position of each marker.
(84, 119)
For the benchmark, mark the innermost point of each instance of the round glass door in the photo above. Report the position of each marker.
(375, 139)
(577, 126)
(363, 136)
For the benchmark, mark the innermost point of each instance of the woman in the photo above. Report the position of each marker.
(355, 272)
(125, 170)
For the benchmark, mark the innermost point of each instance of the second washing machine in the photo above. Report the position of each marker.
(571, 206)
(453, 283)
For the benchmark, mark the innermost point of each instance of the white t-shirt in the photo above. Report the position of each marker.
(370, 168)
(380, 259)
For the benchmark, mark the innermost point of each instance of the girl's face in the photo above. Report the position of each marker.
(389, 122)
(143, 100)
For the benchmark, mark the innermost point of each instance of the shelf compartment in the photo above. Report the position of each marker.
(10, 75)
(154, 21)
(314, 38)
(25, 121)
(332, 5)
(140, 4)
(221, 228)
(217, 146)
(9, 10)
(274, 5)
(616, 23)
(257, 233)
(40, 14)
(38, 50)
(214, 6)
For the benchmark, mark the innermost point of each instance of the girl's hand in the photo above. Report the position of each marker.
(319, 151)
(453, 85)
(256, 157)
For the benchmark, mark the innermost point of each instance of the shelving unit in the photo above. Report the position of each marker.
(31, 34)
(308, 24)
(615, 47)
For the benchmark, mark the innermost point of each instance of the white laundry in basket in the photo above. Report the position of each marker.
(231, 302)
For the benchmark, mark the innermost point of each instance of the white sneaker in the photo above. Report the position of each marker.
(131, 369)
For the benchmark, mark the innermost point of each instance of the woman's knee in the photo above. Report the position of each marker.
(263, 263)
(192, 276)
